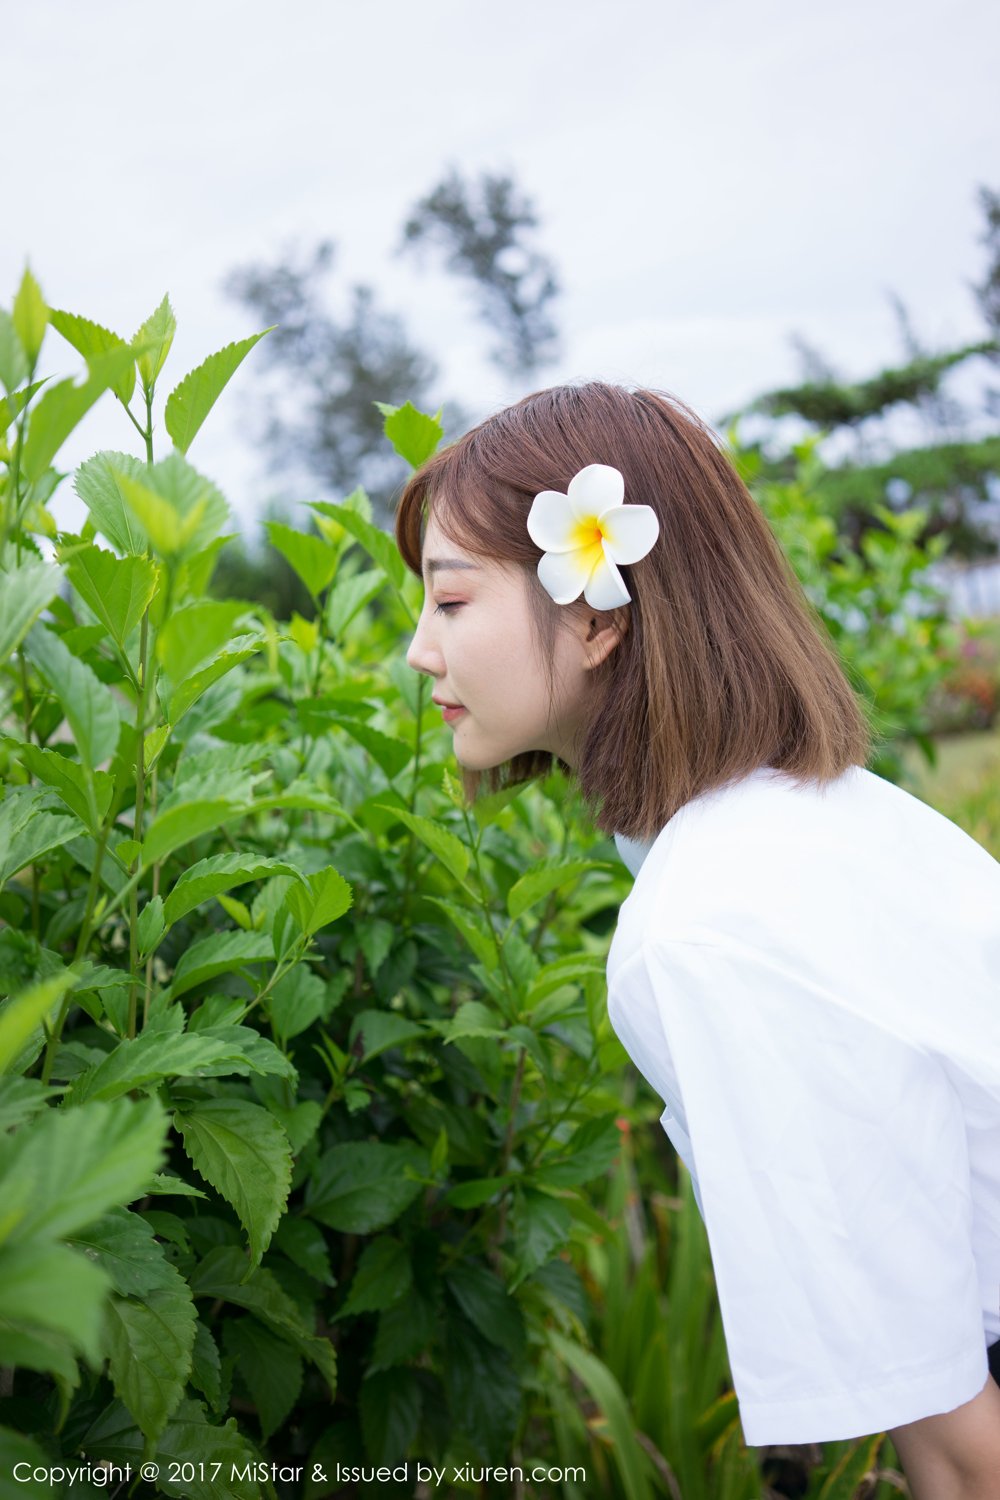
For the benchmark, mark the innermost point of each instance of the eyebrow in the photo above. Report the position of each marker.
(441, 564)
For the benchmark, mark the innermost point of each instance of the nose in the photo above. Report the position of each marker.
(421, 655)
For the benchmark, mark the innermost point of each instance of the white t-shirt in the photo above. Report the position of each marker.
(809, 977)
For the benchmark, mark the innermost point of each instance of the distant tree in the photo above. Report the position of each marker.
(320, 423)
(482, 227)
(953, 476)
(987, 292)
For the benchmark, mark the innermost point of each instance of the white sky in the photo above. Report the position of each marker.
(710, 178)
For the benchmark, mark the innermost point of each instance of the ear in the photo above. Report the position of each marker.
(601, 633)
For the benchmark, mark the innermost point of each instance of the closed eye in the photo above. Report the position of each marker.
(442, 608)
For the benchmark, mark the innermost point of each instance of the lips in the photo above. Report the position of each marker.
(442, 704)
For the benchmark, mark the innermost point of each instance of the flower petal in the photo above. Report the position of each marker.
(564, 574)
(605, 587)
(594, 489)
(630, 531)
(551, 521)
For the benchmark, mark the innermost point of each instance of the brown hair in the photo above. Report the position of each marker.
(725, 665)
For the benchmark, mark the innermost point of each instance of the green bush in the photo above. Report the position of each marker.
(307, 1082)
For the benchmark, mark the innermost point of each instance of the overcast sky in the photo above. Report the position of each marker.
(710, 177)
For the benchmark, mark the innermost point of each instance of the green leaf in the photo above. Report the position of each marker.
(124, 1245)
(52, 1287)
(168, 531)
(155, 337)
(541, 1225)
(66, 1168)
(590, 1150)
(271, 1368)
(150, 926)
(219, 872)
(297, 1000)
(91, 340)
(154, 1055)
(389, 1405)
(473, 927)
(185, 821)
(380, 547)
(24, 593)
(487, 1304)
(88, 703)
(219, 954)
(13, 364)
(316, 904)
(412, 433)
(208, 1460)
(220, 1275)
(21, 1098)
(348, 597)
(206, 1370)
(381, 1029)
(543, 879)
(482, 1389)
(452, 853)
(629, 1458)
(305, 1245)
(117, 589)
(31, 315)
(61, 408)
(86, 793)
(98, 488)
(15, 1449)
(312, 558)
(38, 834)
(149, 1346)
(177, 703)
(190, 402)
(360, 1186)
(382, 1275)
(21, 1016)
(196, 633)
(243, 1152)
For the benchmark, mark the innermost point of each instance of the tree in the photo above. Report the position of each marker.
(481, 227)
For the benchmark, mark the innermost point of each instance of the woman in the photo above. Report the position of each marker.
(807, 968)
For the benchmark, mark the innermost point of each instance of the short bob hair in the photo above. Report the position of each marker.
(723, 664)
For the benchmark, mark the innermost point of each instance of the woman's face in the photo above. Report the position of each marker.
(475, 639)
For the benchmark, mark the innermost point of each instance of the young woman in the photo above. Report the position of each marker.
(807, 968)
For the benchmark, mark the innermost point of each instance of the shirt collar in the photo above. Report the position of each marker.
(633, 851)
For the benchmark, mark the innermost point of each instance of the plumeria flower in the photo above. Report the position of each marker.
(585, 532)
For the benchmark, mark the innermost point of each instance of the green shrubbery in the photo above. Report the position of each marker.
(309, 1096)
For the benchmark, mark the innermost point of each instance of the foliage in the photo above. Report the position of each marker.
(308, 1083)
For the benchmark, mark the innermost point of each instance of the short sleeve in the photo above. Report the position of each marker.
(833, 1175)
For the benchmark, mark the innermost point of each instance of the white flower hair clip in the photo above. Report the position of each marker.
(585, 532)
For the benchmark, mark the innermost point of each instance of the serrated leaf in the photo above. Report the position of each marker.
(472, 926)
(312, 558)
(452, 853)
(193, 635)
(271, 1368)
(243, 1152)
(540, 1226)
(30, 315)
(190, 402)
(591, 1150)
(219, 872)
(24, 593)
(49, 1286)
(381, 1029)
(360, 1186)
(154, 1055)
(13, 364)
(543, 879)
(219, 954)
(91, 340)
(21, 1015)
(88, 703)
(383, 1274)
(379, 546)
(117, 589)
(189, 1447)
(149, 1346)
(319, 900)
(154, 337)
(69, 1167)
(98, 488)
(180, 824)
(220, 1275)
(412, 433)
(62, 406)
